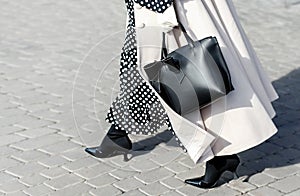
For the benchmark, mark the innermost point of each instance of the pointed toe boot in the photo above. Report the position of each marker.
(214, 170)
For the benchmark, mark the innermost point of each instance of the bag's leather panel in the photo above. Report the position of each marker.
(191, 77)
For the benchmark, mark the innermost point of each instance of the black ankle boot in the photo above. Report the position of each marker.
(120, 137)
(115, 142)
(214, 169)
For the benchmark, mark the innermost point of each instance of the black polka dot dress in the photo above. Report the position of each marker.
(155, 5)
(136, 109)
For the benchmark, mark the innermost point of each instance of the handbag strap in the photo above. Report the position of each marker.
(164, 51)
(180, 25)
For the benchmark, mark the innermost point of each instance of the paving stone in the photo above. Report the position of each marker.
(75, 154)
(294, 193)
(251, 154)
(39, 190)
(7, 163)
(18, 193)
(244, 171)
(277, 160)
(94, 171)
(176, 167)
(158, 150)
(84, 139)
(63, 181)
(66, 129)
(144, 165)
(240, 186)
(29, 156)
(120, 162)
(187, 163)
(53, 172)
(25, 169)
(33, 124)
(35, 143)
(154, 175)
(10, 130)
(12, 186)
(78, 189)
(222, 190)
(32, 180)
(123, 173)
(290, 153)
(257, 165)
(268, 148)
(192, 173)
(281, 172)
(135, 192)
(9, 113)
(167, 158)
(10, 139)
(53, 161)
(261, 179)
(76, 165)
(190, 190)
(59, 147)
(5, 150)
(287, 142)
(106, 190)
(172, 183)
(140, 155)
(4, 177)
(265, 190)
(287, 184)
(155, 188)
(128, 184)
(172, 193)
(33, 133)
(38, 107)
(102, 180)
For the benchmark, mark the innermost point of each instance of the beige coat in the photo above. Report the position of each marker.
(240, 120)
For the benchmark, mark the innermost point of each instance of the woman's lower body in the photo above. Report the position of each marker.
(242, 119)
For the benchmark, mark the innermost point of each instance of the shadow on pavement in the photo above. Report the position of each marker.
(282, 149)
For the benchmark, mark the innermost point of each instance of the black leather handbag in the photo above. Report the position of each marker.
(192, 76)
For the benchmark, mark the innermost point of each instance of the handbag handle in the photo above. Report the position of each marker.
(164, 54)
(190, 41)
(169, 61)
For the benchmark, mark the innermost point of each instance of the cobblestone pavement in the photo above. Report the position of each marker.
(42, 45)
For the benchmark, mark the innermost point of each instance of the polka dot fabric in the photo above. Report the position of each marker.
(136, 109)
(155, 5)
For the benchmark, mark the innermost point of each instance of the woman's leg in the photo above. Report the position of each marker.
(214, 169)
(215, 165)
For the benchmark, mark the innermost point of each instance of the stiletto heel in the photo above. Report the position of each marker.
(235, 175)
(233, 169)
